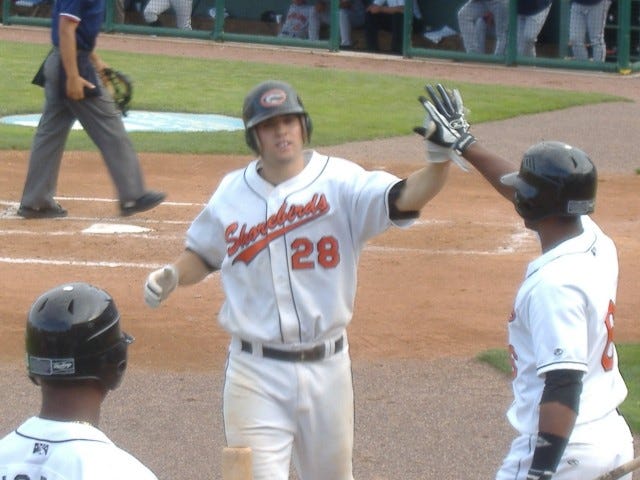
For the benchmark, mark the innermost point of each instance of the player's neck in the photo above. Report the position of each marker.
(554, 231)
(72, 404)
(89, 417)
(279, 171)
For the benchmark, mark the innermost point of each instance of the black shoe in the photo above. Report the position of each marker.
(46, 212)
(145, 202)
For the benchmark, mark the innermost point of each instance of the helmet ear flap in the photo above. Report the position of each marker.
(307, 125)
(251, 137)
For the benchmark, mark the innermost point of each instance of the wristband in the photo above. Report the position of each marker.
(547, 455)
(538, 475)
(464, 142)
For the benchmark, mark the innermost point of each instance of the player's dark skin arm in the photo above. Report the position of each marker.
(491, 166)
(557, 419)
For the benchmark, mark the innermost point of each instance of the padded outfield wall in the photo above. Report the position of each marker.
(243, 23)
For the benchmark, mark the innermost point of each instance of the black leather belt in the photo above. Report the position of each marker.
(309, 355)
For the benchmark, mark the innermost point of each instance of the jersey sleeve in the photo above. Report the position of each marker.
(369, 204)
(559, 327)
(200, 233)
(206, 231)
(71, 9)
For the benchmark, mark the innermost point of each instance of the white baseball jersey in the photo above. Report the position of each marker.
(563, 319)
(42, 449)
(288, 254)
(296, 22)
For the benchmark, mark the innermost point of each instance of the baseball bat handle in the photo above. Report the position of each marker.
(621, 470)
(237, 463)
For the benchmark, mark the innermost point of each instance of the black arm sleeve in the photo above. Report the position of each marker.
(563, 386)
(394, 194)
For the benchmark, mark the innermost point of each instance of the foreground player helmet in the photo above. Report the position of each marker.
(270, 99)
(555, 179)
(73, 333)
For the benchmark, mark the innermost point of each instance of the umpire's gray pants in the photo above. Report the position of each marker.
(102, 122)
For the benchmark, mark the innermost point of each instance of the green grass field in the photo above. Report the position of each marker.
(344, 106)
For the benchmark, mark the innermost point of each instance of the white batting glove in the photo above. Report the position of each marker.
(437, 153)
(439, 145)
(160, 283)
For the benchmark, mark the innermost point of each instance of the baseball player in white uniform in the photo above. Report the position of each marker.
(566, 382)
(76, 353)
(588, 18)
(286, 233)
(182, 9)
(532, 15)
(350, 15)
(473, 29)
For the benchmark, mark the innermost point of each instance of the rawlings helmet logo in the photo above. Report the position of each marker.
(273, 98)
(65, 366)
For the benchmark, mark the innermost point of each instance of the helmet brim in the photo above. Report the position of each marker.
(514, 180)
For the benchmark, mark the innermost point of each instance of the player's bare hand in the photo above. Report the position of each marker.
(160, 283)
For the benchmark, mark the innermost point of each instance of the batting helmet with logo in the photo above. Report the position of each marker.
(555, 179)
(73, 333)
(270, 99)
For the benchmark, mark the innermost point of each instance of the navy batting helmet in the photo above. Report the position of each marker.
(270, 99)
(555, 179)
(73, 333)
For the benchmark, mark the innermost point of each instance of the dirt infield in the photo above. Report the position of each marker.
(429, 299)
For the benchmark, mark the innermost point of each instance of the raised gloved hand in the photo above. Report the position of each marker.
(450, 106)
(160, 283)
(435, 151)
(446, 130)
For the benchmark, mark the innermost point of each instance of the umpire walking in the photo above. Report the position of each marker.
(73, 91)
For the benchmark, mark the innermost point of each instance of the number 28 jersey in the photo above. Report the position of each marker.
(288, 253)
(563, 319)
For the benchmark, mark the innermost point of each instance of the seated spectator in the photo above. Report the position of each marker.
(389, 15)
(351, 15)
(182, 8)
(532, 15)
(474, 18)
(588, 18)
